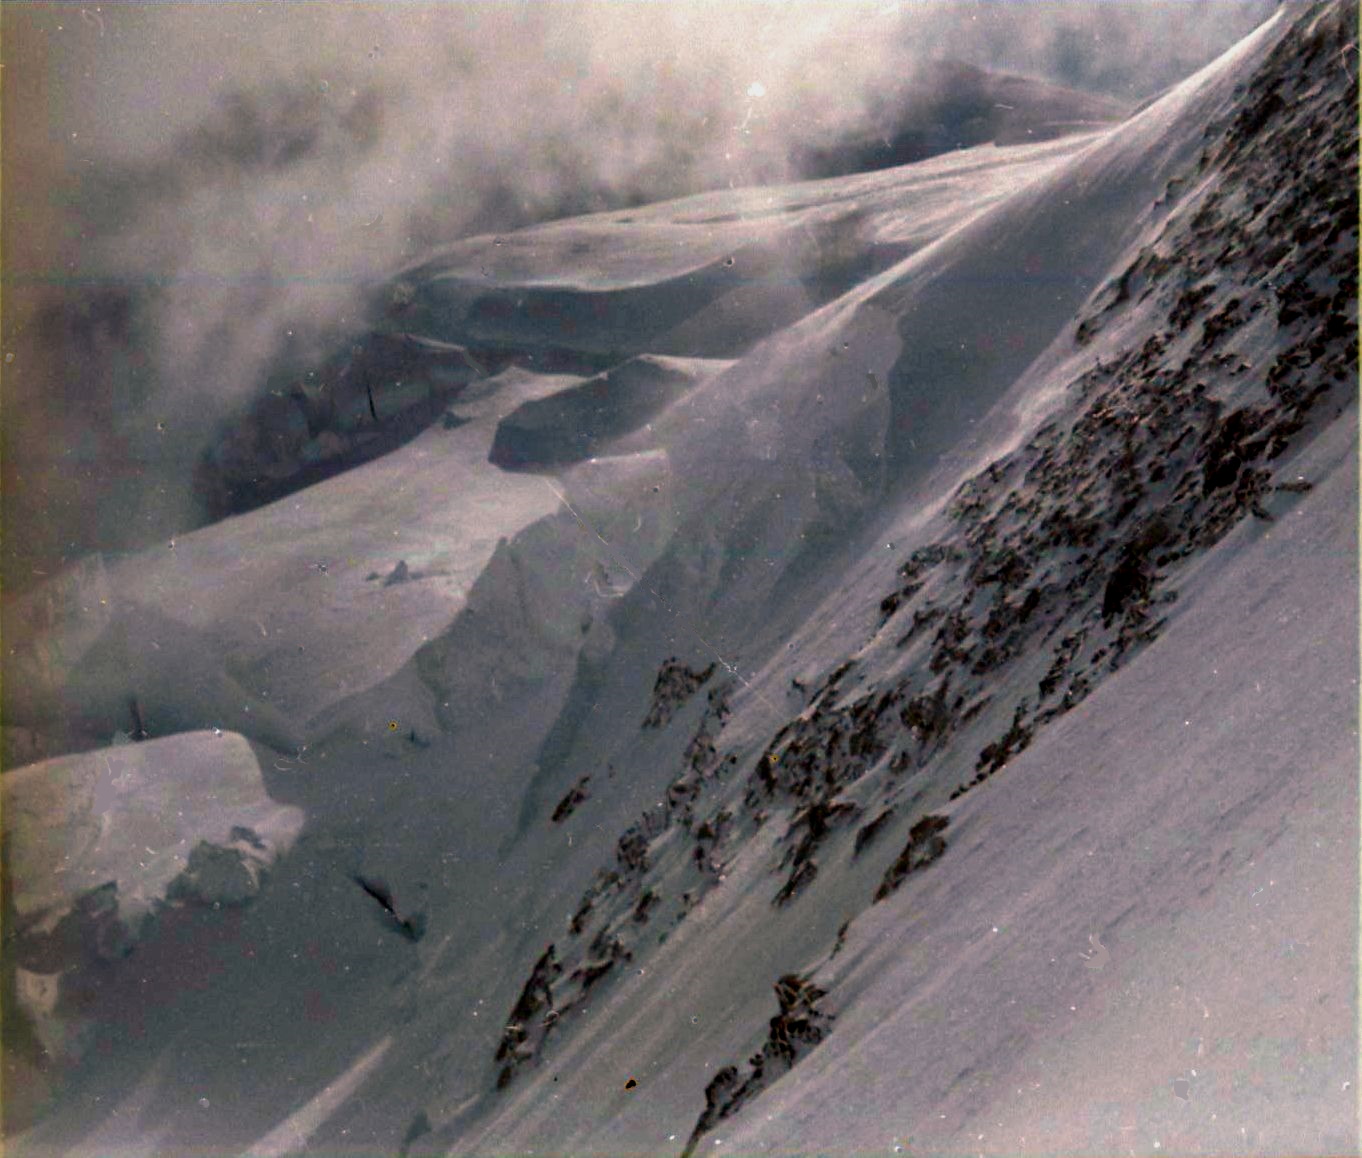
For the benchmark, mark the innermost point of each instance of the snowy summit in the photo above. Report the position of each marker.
(858, 659)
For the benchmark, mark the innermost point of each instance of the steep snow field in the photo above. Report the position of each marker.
(870, 668)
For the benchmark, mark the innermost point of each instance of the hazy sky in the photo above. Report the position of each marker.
(199, 187)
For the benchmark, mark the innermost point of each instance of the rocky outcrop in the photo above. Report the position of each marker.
(675, 684)
(308, 423)
(619, 904)
(532, 1018)
(925, 844)
(222, 874)
(576, 795)
(793, 1032)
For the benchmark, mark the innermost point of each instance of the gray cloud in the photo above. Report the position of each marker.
(211, 188)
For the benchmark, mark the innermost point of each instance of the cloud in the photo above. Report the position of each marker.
(212, 190)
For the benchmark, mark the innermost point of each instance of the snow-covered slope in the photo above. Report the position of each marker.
(876, 675)
(99, 846)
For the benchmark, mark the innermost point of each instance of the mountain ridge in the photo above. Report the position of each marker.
(893, 680)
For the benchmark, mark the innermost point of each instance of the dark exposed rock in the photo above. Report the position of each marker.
(1068, 648)
(1014, 740)
(675, 684)
(217, 875)
(399, 574)
(577, 794)
(1130, 581)
(819, 817)
(925, 844)
(410, 925)
(1228, 449)
(647, 902)
(918, 564)
(92, 931)
(949, 642)
(800, 878)
(367, 398)
(701, 755)
(1189, 305)
(793, 1032)
(928, 717)
(867, 833)
(526, 1028)
(1062, 552)
(922, 618)
(578, 921)
(713, 828)
(631, 852)
(587, 974)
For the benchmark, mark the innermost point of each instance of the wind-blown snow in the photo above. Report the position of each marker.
(925, 696)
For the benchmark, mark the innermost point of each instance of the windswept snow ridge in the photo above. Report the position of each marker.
(917, 591)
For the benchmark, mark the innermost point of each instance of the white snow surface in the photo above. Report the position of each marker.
(131, 814)
(1161, 888)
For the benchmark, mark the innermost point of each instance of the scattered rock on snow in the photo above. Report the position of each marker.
(793, 1032)
(925, 844)
(675, 684)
